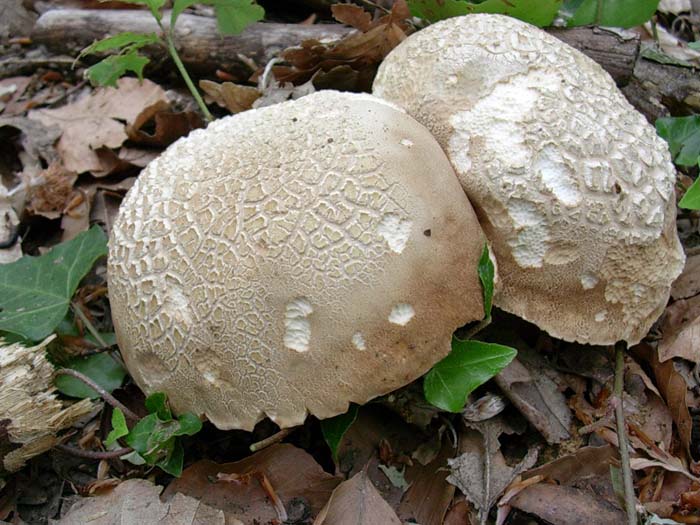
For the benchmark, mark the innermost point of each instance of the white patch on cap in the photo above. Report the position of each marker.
(589, 280)
(298, 328)
(530, 245)
(600, 316)
(395, 231)
(406, 142)
(359, 341)
(557, 177)
(401, 314)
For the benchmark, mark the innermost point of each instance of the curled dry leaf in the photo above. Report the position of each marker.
(168, 125)
(357, 502)
(96, 121)
(36, 142)
(293, 475)
(231, 96)
(135, 502)
(29, 406)
(359, 52)
(680, 327)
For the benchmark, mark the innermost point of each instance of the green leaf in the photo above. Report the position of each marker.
(486, 275)
(131, 41)
(334, 429)
(102, 368)
(468, 366)
(614, 13)
(538, 12)
(172, 464)
(232, 16)
(691, 199)
(157, 404)
(189, 424)
(35, 292)
(111, 69)
(683, 137)
(138, 438)
(119, 428)
(694, 45)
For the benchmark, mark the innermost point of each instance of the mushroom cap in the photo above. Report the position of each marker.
(293, 259)
(572, 186)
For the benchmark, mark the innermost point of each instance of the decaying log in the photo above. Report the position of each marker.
(199, 43)
(653, 88)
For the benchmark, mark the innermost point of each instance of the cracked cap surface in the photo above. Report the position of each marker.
(572, 186)
(293, 259)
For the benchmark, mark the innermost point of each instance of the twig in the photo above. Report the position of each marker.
(622, 434)
(92, 454)
(109, 398)
(274, 438)
(79, 312)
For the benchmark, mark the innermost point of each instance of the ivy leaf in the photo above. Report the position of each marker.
(102, 368)
(468, 366)
(131, 41)
(119, 428)
(538, 12)
(232, 16)
(334, 429)
(486, 275)
(111, 69)
(683, 137)
(691, 199)
(157, 404)
(35, 292)
(615, 13)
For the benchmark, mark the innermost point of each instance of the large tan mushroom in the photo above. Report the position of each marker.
(293, 259)
(573, 187)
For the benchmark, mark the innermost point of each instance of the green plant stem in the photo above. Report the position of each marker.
(599, 12)
(622, 434)
(186, 77)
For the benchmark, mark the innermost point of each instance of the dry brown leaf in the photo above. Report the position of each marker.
(586, 462)
(168, 125)
(51, 191)
(680, 326)
(97, 121)
(11, 90)
(569, 505)
(32, 413)
(137, 502)
(537, 397)
(36, 141)
(231, 96)
(352, 15)
(673, 389)
(357, 502)
(481, 472)
(292, 473)
(688, 283)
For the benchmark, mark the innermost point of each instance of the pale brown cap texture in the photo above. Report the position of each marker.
(572, 186)
(293, 259)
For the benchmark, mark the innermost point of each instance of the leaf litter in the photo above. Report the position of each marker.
(401, 460)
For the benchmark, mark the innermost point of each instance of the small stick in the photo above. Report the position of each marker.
(109, 398)
(274, 438)
(79, 312)
(92, 454)
(622, 435)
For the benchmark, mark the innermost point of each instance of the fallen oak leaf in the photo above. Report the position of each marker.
(688, 282)
(352, 15)
(357, 502)
(680, 326)
(97, 120)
